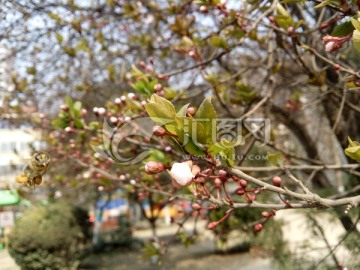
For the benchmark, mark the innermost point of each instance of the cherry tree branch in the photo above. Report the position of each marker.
(310, 198)
(301, 167)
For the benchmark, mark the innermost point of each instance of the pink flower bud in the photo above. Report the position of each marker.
(154, 167)
(212, 225)
(217, 182)
(276, 181)
(118, 101)
(64, 108)
(157, 87)
(258, 228)
(159, 131)
(222, 174)
(69, 129)
(203, 9)
(192, 53)
(84, 112)
(243, 183)
(113, 120)
(240, 191)
(330, 46)
(195, 169)
(196, 206)
(251, 197)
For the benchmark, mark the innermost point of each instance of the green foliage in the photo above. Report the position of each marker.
(356, 40)
(353, 150)
(218, 42)
(243, 93)
(49, 237)
(283, 18)
(72, 115)
(195, 134)
(343, 29)
(276, 159)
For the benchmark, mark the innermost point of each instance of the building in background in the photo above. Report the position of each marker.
(15, 149)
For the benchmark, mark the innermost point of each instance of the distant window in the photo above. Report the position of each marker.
(8, 169)
(23, 147)
(7, 147)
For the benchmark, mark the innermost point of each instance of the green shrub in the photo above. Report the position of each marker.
(49, 237)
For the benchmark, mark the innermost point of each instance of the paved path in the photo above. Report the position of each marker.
(6, 262)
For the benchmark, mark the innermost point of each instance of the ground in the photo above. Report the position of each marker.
(201, 255)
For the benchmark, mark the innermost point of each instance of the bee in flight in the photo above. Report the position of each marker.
(34, 170)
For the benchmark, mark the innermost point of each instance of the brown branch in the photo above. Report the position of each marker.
(301, 167)
(309, 198)
(204, 63)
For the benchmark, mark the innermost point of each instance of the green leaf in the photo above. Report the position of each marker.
(343, 29)
(159, 114)
(276, 159)
(182, 111)
(168, 105)
(78, 123)
(223, 145)
(156, 155)
(353, 143)
(229, 155)
(195, 130)
(58, 123)
(192, 148)
(282, 11)
(207, 116)
(94, 125)
(141, 86)
(353, 151)
(355, 23)
(160, 110)
(293, 1)
(284, 21)
(218, 42)
(356, 40)
(283, 17)
(323, 4)
(77, 105)
(69, 102)
(54, 16)
(243, 93)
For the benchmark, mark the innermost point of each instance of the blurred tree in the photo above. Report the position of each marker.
(50, 237)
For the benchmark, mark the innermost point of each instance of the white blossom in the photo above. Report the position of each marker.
(101, 111)
(181, 172)
(330, 46)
